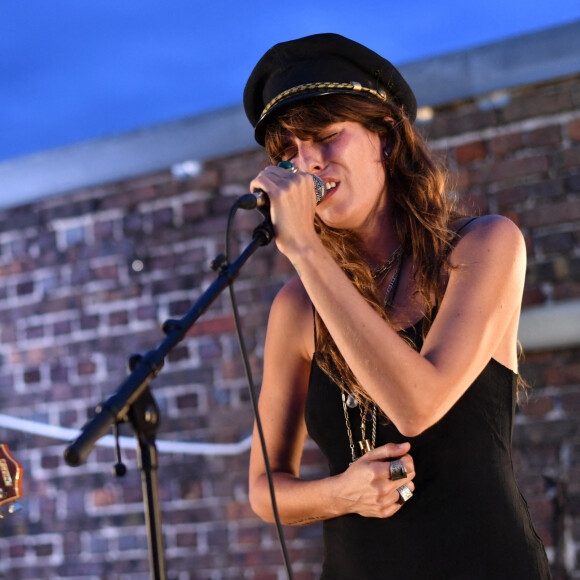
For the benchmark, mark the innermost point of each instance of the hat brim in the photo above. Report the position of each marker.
(270, 117)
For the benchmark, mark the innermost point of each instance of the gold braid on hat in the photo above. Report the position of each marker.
(352, 86)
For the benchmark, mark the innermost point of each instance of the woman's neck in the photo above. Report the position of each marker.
(378, 242)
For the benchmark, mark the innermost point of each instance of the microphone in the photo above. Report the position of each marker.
(259, 199)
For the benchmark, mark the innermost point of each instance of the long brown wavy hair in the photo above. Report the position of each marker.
(422, 211)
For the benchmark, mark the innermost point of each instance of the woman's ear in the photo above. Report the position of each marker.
(386, 138)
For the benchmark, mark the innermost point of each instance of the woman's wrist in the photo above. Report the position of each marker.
(308, 255)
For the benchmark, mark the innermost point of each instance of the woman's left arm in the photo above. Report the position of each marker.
(476, 321)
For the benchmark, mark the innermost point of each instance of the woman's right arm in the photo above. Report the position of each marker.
(365, 487)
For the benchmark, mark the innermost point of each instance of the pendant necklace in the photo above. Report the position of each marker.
(349, 401)
(364, 444)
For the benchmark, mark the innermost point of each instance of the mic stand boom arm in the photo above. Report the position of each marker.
(134, 400)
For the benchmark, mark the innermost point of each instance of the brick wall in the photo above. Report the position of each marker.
(90, 276)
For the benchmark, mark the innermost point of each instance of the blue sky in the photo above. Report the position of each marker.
(73, 70)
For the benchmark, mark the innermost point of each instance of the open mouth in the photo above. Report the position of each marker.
(330, 187)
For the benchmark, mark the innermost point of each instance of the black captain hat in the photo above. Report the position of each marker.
(316, 65)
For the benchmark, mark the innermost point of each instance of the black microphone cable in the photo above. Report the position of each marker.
(252, 389)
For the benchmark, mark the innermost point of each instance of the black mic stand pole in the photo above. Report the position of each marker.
(133, 398)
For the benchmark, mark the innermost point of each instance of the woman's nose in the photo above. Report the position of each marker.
(309, 158)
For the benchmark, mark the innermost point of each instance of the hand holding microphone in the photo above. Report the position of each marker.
(259, 198)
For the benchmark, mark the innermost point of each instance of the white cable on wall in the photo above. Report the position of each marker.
(183, 447)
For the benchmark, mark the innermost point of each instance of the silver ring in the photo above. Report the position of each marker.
(319, 188)
(397, 470)
(405, 494)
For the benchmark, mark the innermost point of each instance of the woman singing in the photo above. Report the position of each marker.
(395, 346)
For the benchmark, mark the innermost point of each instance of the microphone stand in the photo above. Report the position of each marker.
(133, 398)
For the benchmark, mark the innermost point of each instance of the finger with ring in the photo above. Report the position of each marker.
(289, 166)
(405, 494)
(397, 470)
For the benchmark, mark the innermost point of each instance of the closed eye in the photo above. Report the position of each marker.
(327, 138)
(288, 153)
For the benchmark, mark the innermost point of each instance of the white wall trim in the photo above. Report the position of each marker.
(550, 327)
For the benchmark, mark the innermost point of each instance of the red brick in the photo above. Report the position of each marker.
(249, 535)
(567, 159)
(17, 550)
(512, 195)
(537, 406)
(572, 182)
(571, 403)
(563, 375)
(453, 122)
(213, 326)
(106, 272)
(104, 497)
(86, 368)
(118, 318)
(543, 137)
(509, 169)
(188, 401)
(196, 210)
(104, 229)
(186, 539)
(538, 101)
(240, 511)
(32, 376)
(161, 218)
(504, 144)
(50, 462)
(556, 213)
(470, 152)
(180, 352)
(574, 129)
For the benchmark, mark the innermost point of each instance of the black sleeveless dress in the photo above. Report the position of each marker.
(467, 519)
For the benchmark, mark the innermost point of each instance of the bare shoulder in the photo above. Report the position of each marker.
(292, 301)
(489, 236)
(294, 294)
